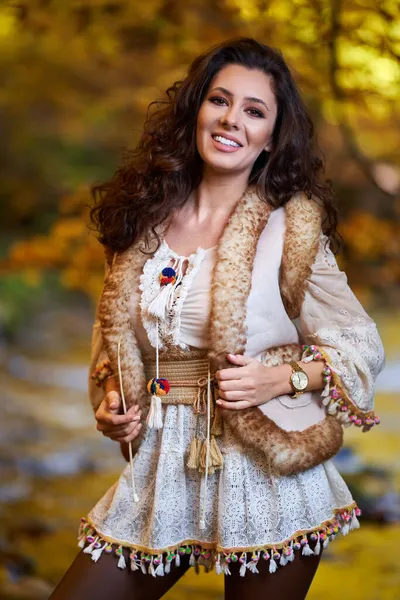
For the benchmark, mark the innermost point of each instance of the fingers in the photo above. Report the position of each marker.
(235, 385)
(113, 401)
(118, 429)
(223, 374)
(127, 437)
(239, 359)
(107, 419)
(234, 396)
(239, 405)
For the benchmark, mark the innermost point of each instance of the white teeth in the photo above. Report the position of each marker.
(225, 141)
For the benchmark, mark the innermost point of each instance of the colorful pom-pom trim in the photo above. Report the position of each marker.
(158, 387)
(159, 562)
(103, 371)
(167, 275)
(335, 398)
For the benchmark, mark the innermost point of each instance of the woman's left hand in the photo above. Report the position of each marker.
(251, 383)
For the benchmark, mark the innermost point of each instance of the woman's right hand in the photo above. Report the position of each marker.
(118, 427)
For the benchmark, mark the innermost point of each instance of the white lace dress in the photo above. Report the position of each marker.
(250, 515)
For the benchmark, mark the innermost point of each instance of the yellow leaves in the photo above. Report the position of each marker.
(248, 9)
(7, 22)
(369, 237)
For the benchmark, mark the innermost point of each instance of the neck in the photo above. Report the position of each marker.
(217, 195)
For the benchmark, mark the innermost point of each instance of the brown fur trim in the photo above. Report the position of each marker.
(288, 452)
(303, 227)
(231, 282)
(121, 286)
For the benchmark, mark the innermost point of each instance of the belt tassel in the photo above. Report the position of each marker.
(216, 459)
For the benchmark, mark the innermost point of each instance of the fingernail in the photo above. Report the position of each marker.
(219, 402)
(113, 406)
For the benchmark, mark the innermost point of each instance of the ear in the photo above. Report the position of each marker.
(268, 147)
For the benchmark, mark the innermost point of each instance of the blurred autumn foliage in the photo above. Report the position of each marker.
(79, 75)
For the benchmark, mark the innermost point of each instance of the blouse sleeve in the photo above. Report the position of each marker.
(99, 367)
(333, 320)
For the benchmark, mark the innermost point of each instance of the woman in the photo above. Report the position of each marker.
(214, 244)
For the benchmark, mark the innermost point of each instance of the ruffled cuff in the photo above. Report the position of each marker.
(334, 397)
(102, 372)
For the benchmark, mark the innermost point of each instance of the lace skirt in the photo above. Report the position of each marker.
(250, 515)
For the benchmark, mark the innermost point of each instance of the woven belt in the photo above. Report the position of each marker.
(187, 379)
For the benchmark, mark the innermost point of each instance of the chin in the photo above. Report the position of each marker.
(225, 165)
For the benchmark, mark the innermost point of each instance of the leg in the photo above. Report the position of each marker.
(291, 581)
(87, 580)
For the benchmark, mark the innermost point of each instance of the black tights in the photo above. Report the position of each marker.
(87, 580)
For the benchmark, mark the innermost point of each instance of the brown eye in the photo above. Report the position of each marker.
(215, 99)
(257, 112)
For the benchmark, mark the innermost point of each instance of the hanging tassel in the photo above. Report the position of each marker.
(243, 561)
(216, 428)
(283, 560)
(143, 565)
(202, 459)
(158, 306)
(89, 549)
(333, 408)
(306, 548)
(252, 565)
(154, 417)
(97, 552)
(317, 548)
(151, 567)
(217, 460)
(160, 566)
(134, 560)
(169, 559)
(192, 559)
(354, 523)
(272, 563)
(121, 562)
(218, 569)
(82, 542)
(325, 391)
(290, 556)
(194, 454)
(326, 401)
(177, 559)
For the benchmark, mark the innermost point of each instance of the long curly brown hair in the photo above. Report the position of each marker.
(165, 167)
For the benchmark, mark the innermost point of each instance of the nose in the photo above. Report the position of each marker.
(230, 119)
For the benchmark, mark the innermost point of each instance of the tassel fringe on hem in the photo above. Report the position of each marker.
(278, 555)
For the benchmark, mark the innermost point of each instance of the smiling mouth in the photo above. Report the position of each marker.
(226, 141)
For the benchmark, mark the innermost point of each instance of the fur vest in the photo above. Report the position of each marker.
(287, 451)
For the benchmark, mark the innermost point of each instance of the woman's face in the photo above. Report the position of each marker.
(236, 119)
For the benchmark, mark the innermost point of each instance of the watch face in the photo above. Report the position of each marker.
(299, 380)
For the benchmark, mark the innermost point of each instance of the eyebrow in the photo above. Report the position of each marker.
(250, 98)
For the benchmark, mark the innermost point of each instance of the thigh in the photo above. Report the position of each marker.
(291, 581)
(88, 580)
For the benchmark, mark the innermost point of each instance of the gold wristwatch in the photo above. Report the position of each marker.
(298, 379)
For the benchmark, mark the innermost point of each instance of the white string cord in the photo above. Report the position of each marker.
(204, 500)
(135, 497)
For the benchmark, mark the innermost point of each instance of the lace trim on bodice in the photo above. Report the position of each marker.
(169, 329)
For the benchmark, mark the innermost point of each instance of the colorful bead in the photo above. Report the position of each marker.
(158, 387)
(182, 551)
(296, 546)
(167, 275)
(102, 371)
(108, 549)
(265, 555)
(234, 557)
